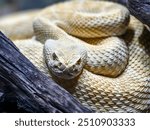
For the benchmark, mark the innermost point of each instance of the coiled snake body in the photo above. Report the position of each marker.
(95, 50)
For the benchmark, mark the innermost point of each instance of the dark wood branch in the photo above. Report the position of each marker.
(35, 90)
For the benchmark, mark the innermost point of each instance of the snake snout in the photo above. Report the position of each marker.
(64, 71)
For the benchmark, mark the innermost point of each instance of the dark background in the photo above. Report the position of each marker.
(9, 6)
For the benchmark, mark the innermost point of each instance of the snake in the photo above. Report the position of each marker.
(139, 8)
(96, 50)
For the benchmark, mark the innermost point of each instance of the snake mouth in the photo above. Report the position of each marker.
(65, 73)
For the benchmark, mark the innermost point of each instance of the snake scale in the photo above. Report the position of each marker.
(94, 49)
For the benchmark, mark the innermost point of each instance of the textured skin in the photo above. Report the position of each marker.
(127, 92)
(138, 8)
(87, 21)
(19, 21)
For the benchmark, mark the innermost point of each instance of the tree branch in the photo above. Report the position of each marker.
(35, 90)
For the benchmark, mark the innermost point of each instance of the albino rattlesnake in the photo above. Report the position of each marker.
(94, 35)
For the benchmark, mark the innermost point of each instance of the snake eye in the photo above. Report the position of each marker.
(55, 66)
(54, 56)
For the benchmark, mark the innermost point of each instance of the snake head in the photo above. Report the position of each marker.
(63, 62)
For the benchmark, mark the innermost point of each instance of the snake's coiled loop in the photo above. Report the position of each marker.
(94, 51)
